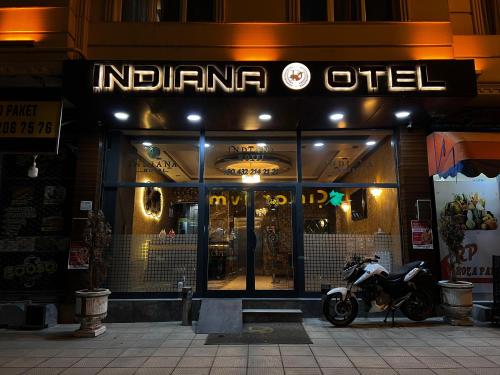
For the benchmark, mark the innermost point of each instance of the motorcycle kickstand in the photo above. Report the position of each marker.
(386, 315)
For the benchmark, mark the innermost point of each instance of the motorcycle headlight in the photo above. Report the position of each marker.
(347, 272)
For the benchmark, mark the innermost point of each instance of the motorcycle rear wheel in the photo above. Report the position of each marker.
(340, 313)
(418, 307)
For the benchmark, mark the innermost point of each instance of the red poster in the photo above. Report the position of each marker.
(421, 234)
(78, 258)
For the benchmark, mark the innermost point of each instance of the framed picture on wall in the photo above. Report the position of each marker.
(359, 206)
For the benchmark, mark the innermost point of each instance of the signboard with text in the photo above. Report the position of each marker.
(446, 78)
(30, 119)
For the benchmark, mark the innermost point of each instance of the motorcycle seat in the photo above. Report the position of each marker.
(403, 270)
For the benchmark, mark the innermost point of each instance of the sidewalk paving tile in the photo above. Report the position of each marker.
(161, 362)
(439, 362)
(228, 371)
(404, 362)
(264, 350)
(59, 362)
(302, 371)
(370, 362)
(93, 362)
(339, 371)
(391, 351)
(191, 371)
(264, 361)
(299, 361)
(337, 362)
(327, 351)
(268, 371)
(125, 362)
(232, 351)
(203, 362)
(45, 371)
(475, 362)
(81, 371)
(230, 362)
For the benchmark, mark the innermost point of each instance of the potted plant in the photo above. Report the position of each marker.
(456, 295)
(92, 303)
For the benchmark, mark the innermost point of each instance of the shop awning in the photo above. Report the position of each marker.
(471, 154)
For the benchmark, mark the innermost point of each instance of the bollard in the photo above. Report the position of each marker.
(187, 300)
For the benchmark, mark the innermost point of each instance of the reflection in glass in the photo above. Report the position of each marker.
(274, 240)
(155, 240)
(351, 221)
(356, 157)
(227, 240)
(246, 160)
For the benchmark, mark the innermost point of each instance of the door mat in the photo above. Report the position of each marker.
(263, 333)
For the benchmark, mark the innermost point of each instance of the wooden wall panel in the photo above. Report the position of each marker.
(415, 184)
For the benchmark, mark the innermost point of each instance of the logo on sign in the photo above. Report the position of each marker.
(296, 76)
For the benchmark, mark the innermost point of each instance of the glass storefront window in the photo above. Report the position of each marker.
(341, 222)
(266, 157)
(155, 238)
(154, 159)
(348, 156)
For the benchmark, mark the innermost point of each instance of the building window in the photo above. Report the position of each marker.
(311, 11)
(168, 10)
(488, 21)
(200, 11)
(350, 10)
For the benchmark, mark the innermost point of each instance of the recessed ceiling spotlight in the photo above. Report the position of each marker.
(371, 143)
(265, 117)
(319, 144)
(207, 145)
(336, 116)
(194, 117)
(261, 144)
(123, 116)
(147, 143)
(402, 114)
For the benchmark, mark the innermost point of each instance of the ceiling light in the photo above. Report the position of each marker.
(265, 117)
(207, 145)
(319, 144)
(194, 117)
(261, 144)
(123, 116)
(147, 144)
(371, 143)
(336, 116)
(402, 114)
(253, 179)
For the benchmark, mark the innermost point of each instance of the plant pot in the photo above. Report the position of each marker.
(91, 308)
(457, 302)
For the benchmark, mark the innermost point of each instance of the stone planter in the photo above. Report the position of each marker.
(457, 302)
(91, 308)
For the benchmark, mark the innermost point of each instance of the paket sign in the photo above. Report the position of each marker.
(30, 119)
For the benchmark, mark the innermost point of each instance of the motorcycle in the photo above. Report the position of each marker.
(413, 290)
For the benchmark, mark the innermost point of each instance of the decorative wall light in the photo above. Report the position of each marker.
(152, 202)
(345, 206)
(376, 192)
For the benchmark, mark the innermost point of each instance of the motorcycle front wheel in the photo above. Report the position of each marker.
(418, 307)
(340, 313)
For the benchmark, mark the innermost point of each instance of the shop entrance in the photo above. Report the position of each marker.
(250, 239)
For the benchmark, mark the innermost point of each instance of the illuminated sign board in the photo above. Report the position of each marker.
(417, 78)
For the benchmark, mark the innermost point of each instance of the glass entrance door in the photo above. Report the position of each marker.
(250, 240)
